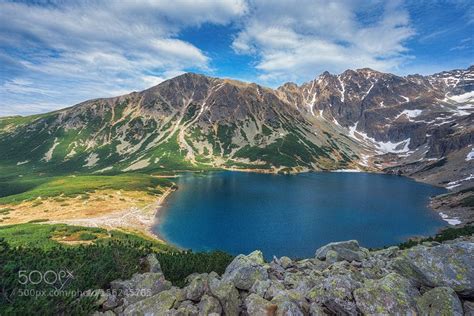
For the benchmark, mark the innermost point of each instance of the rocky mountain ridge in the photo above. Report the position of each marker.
(420, 126)
(342, 279)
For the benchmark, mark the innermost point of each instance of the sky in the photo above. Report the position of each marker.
(55, 54)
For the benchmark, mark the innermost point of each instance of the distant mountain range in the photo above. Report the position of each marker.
(421, 126)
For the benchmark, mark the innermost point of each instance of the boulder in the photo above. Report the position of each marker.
(257, 306)
(440, 301)
(227, 295)
(446, 265)
(316, 310)
(346, 250)
(186, 308)
(197, 287)
(209, 305)
(393, 294)
(300, 281)
(243, 271)
(291, 303)
(285, 262)
(335, 293)
(140, 286)
(159, 304)
(153, 263)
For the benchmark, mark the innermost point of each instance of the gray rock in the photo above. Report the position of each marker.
(300, 281)
(316, 310)
(106, 313)
(158, 305)
(335, 293)
(449, 264)
(243, 271)
(197, 287)
(257, 306)
(389, 252)
(392, 294)
(260, 287)
(468, 308)
(186, 308)
(440, 301)
(153, 263)
(285, 262)
(290, 303)
(227, 295)
(332, 256)
(346, 250)
(209, 305)
(140, 286)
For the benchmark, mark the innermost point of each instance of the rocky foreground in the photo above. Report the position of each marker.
(343, 278)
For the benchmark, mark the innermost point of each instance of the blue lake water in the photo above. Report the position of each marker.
(293, 215)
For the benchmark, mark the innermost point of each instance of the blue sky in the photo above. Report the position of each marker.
(55, 54)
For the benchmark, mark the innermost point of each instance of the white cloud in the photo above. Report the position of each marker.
(66, 52)
(299, 40)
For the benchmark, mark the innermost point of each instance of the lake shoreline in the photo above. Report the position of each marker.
(134, 220)
(160, 236)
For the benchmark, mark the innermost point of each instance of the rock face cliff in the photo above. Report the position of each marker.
(342, 279)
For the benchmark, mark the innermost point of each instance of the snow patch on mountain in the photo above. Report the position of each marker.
(470, 155)
(462, 98)
(453, 184)
(410, 114)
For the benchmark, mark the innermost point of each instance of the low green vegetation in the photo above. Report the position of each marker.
(446, 234)
(71, 186)
(32, 250)
(177, 266)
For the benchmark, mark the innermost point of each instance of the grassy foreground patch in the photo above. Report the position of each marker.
(71, 186)
(33, 253)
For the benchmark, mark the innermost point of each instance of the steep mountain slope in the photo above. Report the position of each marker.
(412, 125)
(188, 122)
(421, 126)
